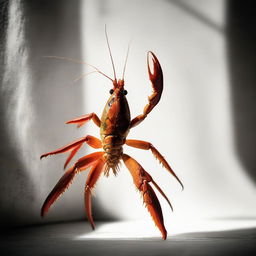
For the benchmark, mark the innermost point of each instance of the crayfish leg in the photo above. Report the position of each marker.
(65, 181)
(148, 146)
(66, 148)
(141, 180)
(75, 146)
(59, 189)
(71, 155)
(84, 119)
(154, 207)
(90, 140)
(92, 178)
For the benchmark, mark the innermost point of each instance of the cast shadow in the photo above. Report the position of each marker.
(241, 41)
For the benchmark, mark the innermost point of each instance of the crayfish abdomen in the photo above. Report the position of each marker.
(113, 147)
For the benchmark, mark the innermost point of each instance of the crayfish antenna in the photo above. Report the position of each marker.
(111, 57)
(126, 58)
(83, 75)
(80, 62)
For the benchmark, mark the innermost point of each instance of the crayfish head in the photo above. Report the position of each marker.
(118, 89)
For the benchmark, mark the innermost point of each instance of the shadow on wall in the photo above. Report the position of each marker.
(36, 98)
(13, 180)
(241, 41)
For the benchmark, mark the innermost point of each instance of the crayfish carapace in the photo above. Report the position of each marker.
(114, 125)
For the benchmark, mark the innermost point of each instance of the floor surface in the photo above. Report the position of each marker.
(74, 239)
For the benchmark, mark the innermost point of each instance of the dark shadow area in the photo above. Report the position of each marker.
(18, 201)
(13, 180)
(51, 228)
(49, 98)
(61, 239)
(241, 41)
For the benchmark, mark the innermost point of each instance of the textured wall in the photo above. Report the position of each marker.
(37, 97)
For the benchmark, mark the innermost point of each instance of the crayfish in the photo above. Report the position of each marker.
(115, 124)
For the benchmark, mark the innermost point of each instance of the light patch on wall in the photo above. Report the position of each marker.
(192, 124)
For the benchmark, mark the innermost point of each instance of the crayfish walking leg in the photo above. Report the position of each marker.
(141, 180)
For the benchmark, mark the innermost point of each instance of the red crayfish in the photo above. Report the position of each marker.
(115, 124)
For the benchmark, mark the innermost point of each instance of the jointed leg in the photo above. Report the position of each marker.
(75, 146)
(84, 119)
(71, 155)
(146, 146)
(141, 180)
(156, 79)
(82, 164)
(92, 178)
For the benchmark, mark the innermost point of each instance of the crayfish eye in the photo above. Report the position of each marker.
(124, 92)
(111, 91)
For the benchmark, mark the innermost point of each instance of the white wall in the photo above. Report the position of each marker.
(192, 124)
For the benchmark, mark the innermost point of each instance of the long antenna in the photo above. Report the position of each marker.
(110, 52)
(84, 75)
(79, 62)
(126, 58)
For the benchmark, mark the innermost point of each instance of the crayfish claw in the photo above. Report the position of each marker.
(156, 78)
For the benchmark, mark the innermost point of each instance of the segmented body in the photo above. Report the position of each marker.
(115, 122)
